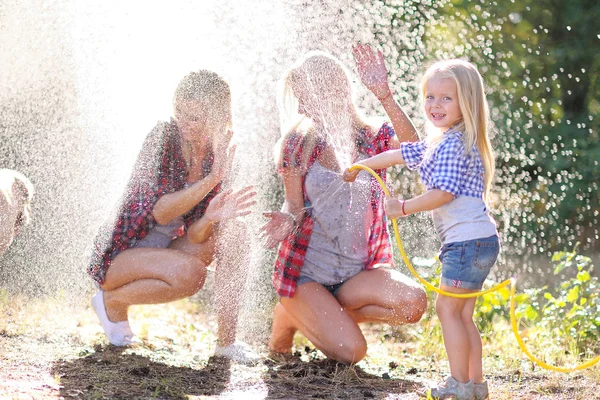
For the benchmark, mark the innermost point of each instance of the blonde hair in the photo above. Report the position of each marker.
(474, 108)
(325, 81)
(212, 93)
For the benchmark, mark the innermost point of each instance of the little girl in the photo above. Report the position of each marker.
(456, 163)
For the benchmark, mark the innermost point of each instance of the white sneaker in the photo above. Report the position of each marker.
(117, 333)
(238, 352)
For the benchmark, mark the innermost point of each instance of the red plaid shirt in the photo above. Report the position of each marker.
(160, 169)
(292, 250)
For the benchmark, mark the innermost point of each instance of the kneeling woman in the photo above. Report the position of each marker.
(158, 246)
(333, 270)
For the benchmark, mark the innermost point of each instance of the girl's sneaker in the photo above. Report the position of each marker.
(453, 389)
(481, 391)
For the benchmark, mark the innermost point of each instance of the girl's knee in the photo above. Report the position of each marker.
(467, 317)
(440, 303)
(448, 308)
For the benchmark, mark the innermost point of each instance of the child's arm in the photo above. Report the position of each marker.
(430, 200)
(380, 161)
(373, 74)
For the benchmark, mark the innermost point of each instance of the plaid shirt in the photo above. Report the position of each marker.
(292, 250)
(160, 169)
(447, 167)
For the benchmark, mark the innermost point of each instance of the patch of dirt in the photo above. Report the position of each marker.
(327, 379)
(112, 373)
(51, 351)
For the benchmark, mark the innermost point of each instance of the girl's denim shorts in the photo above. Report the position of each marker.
(467, 264)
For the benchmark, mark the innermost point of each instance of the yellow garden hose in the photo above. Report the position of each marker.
(512, 282)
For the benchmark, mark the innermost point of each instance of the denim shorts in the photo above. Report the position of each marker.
(467, 264)
(333, 289)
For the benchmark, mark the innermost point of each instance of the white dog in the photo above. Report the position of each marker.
(16, 193)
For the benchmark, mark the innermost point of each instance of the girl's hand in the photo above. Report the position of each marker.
(229, 204)
(372, 70)
(350, 176)
(393, 207)
(278, 228)
(223, 155)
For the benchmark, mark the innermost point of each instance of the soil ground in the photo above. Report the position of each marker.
(49, 350)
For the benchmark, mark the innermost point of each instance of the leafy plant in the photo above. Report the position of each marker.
(570, 311)
(573, 309)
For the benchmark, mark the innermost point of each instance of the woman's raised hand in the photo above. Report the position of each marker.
(279, 227)
(371, 70)
(229, 204)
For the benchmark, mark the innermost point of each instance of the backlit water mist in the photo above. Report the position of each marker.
(83, 83)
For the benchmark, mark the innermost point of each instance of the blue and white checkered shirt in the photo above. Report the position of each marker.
(447, 167)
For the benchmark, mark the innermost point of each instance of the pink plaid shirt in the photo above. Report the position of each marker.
(292, 250)
(159, 170)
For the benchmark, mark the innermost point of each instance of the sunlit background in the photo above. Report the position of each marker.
(82, 83)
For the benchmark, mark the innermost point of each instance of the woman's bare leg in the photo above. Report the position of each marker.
(152, 276)
(283, 329)
(230, 278)
(383, 295)
(318, 315)
(228, 248)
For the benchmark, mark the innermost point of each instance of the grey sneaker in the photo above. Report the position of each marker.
(453, 389)
(481, 391)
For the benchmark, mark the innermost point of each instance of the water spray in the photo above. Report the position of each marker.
(512, 282)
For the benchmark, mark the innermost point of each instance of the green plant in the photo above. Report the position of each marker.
(573, 308)
(570, 311)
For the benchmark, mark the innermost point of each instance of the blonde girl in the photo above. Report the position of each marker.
(333, 269)
(164, 234)
(456, 163)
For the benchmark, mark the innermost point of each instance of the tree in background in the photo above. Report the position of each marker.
(541, 62)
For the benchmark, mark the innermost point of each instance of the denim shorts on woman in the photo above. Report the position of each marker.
(467, 264)
(333, 289)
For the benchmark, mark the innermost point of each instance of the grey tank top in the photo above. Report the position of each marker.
(161, 235)
(338, 246)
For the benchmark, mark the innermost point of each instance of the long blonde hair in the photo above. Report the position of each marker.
(212, 92)
(474, 108)
(324, 80)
